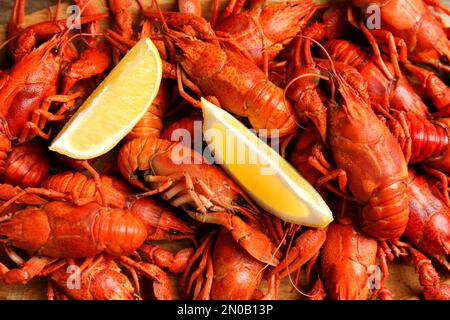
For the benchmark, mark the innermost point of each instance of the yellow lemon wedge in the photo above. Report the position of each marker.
(115, 106)
(266, 176)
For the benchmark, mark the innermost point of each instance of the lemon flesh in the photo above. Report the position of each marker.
(115, 107)
(266, 176)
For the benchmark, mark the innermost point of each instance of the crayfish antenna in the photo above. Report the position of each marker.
(183, 93)
(327, 55)
(161, 16)
(276, 254)
(57, 8)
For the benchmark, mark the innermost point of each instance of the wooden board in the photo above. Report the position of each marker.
(402, 280)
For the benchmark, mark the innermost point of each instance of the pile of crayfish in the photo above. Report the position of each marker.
(360, 104)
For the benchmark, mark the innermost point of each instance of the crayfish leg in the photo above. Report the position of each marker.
(372, 41)
(254, 241)
(17, 19)
(307, 246)
(175, 263)
(433, 88)
(123, 21)
(443, 180)
(386, 37)
(273, 283)
(92, 62)
(35, 191)
(429, 278)
(161, 284)
(28, 271)
(200, 274)
(206, 285)
(42, 115)
(53, 293)
(97, 179)
(120, 42)
(438, 6)
(318, 291)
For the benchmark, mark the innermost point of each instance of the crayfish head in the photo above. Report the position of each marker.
(348, 282)
(60, 51)
(200, 59)
(281, 21)
(28, 229)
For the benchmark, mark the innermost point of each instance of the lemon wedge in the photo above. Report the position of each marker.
(266, 176)
(115, 106)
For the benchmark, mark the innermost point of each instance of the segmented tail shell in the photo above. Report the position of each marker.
(386, 214)
(27, 165)
(428, 139)
(135, 156)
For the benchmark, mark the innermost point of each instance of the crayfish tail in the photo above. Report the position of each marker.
(428, 140)
(386, 214)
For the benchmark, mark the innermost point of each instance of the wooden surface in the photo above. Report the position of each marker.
(32, 6)
(402, 280)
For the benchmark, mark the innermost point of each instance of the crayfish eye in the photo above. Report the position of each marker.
(55, 51)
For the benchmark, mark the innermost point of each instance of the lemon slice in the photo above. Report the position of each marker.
(266, 176)
(115, 107)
